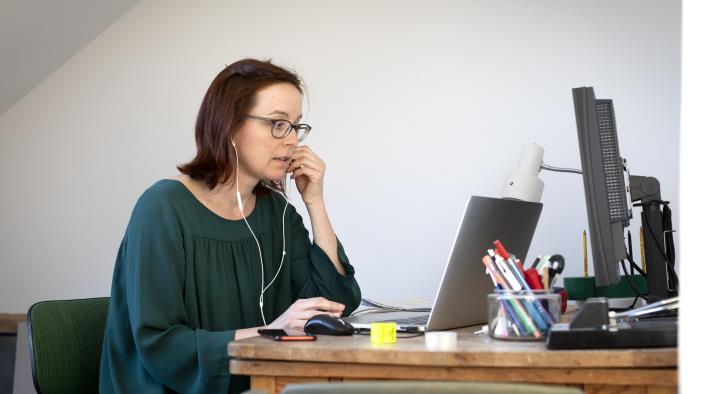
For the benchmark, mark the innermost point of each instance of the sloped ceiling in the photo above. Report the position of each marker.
(38, 36)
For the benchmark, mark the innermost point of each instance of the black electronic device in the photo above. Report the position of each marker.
(328, 325)
(595, 327)
(610, 192)
(282, 335)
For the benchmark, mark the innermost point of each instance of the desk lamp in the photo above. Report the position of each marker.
(524, 184)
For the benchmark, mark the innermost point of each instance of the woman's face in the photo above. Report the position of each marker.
(262, 156)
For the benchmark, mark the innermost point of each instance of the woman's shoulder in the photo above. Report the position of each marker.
(164, 189)
(163, 194)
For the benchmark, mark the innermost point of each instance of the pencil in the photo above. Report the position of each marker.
(584, 245)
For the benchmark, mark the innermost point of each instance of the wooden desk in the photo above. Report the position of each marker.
(272, 365)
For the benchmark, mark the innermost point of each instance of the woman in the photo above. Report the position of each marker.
(215, 253)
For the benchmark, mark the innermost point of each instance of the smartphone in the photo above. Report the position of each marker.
(281, 335)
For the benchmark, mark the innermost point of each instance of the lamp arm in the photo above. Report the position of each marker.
(559, 169)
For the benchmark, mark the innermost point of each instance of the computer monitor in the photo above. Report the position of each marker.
(609, 191)
(608, 206)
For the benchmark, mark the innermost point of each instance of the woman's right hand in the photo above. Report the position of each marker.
(296, 316)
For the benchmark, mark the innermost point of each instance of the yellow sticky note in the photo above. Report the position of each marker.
(383, 332)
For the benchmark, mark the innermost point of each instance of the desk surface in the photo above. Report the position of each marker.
(478, 358)
(472, 350)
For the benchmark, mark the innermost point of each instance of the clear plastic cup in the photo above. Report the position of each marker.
(522, 314)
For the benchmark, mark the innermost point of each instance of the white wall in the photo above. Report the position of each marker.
(415, 107)
(690, 189)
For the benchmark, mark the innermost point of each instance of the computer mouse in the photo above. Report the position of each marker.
(328, 325)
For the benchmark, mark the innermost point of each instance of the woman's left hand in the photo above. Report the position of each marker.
(308, 172)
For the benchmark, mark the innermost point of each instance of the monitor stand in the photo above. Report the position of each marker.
(657, 236)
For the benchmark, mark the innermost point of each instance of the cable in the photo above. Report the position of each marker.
(629, 257)
(634, 301)
(284, 249)
(638, 294)
(635, 266)
(669, 243)
(263, 287)
(365, 331)
(376, 306)
(672, 280)
(630, 252)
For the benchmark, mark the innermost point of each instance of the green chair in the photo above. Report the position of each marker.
(65, 344)
(412, 387)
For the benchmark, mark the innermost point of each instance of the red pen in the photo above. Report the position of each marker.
(501, 250)
(516, 267)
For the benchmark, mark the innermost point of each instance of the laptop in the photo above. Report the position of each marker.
(462, 295)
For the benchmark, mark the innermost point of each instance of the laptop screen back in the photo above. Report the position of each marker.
(462, 296)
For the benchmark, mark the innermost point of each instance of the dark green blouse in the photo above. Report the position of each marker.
(185, 279)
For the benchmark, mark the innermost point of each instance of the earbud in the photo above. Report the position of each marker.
(238, 195)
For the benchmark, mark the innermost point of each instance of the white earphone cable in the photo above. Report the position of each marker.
(284, 249)
(260, 253)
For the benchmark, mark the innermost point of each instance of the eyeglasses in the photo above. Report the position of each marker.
(281, 128)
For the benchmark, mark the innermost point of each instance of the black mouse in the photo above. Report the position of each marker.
(328, 325)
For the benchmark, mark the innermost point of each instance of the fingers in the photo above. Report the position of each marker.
(320, 303)
(302, 164)
(298, 319)
(303, 157)
(308, 314)
(302, 310)
(310, 172)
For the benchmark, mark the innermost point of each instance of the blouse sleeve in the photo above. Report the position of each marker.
(313, 273)
(182, 358)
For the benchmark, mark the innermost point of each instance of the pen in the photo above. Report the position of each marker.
(529, 326)
(586, 263)
(491, 264)
(535, 262)
(536, 309)
(518, 272)
(520, 266)
(518, 326)
(494, 272)
(514, 284)
(513, 316)
(500, 249)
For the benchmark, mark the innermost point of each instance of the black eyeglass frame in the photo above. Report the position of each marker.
(298, 127)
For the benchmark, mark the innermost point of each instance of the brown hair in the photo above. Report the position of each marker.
(229, 98)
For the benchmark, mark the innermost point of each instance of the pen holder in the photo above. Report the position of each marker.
(522, 314)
